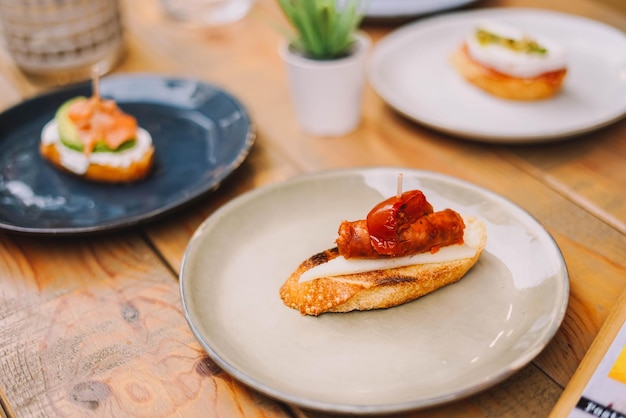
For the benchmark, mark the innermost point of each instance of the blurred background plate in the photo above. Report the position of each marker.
(410, 69)
(201, 134)
(408, 8)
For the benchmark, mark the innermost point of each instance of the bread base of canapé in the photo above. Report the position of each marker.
(381, 288)
(135, 170)
(507, 87)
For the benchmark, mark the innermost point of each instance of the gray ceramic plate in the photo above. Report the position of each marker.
(444, 346)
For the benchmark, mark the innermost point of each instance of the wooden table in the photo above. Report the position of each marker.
(93, 326)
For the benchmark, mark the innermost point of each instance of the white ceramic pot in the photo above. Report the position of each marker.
(327, 95)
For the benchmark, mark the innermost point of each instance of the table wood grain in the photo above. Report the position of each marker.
(93, 326)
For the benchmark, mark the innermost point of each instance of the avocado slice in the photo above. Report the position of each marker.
(67, 131)
(68, 134)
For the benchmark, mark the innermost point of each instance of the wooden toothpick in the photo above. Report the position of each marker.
(95, 83)
(399, 191)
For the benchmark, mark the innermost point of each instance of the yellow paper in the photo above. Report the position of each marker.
(618, 371)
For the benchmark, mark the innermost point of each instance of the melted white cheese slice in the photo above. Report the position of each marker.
(515, 63)
(78, 162)
(340, 266)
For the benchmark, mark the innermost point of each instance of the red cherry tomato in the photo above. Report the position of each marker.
(390, 217)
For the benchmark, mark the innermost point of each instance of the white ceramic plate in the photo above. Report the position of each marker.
(403, 8)
(447, 345)
(410, 69)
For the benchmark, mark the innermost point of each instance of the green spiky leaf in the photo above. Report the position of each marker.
(323, 29)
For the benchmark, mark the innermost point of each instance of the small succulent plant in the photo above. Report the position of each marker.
(324, 29)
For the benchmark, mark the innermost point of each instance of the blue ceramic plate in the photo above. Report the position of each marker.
(201, 135)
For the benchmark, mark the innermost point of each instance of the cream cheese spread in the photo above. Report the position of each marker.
(341, 266)
(550, 56)
(78, 162)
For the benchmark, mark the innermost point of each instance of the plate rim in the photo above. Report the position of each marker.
(157, 212)
(374, 65)
(413, 10)
(538, 346)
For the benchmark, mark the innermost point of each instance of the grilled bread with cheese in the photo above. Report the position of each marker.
(505, 86)
(380, 287)
(508, 63)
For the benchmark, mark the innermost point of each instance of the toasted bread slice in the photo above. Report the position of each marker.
(125, 166)
(134, 171)
(505, 86)
(380, 288)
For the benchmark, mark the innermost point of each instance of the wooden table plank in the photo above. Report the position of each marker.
(94, 326)
(87, 322)
(388, 139)
(587, 170)
(83, 371)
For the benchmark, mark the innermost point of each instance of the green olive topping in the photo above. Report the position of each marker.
(525, 45)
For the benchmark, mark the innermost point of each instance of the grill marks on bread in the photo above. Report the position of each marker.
(378, 288)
